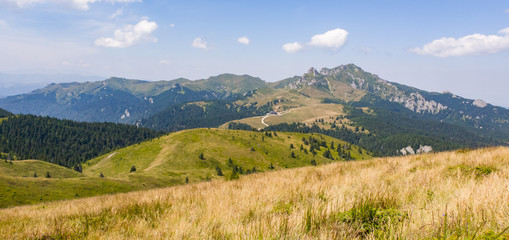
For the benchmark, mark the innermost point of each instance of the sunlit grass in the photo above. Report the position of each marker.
(413, 197)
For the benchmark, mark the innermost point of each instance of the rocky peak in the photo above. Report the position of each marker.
(480, 103)
(333, 71)
(312, 72)
(311, 78)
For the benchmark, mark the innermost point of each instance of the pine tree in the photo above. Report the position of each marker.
(327, 154)
(78, 168)
(233, 175)
(219, 171)
(48, 175)
(252, 149)
(133, 168)
(101, 175)
(271, 167)
(35, 174)
(187, 180)
(201, 156)
(291, 145)
(292, 155)
(313, 162)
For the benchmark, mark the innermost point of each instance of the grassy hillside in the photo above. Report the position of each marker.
(162, 162)
(453, 195)
(27, 168)
(175, 157)
(18, 184)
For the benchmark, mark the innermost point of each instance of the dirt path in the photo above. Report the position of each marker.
(271, 115)
(263, 120)
(163, 154)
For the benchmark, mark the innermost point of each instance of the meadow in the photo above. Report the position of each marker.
(451, 195)
(169, 160)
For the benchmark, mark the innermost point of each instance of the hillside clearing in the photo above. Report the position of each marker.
(462, 194)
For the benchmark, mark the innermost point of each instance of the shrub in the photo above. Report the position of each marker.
(372, 214)
(219, 171)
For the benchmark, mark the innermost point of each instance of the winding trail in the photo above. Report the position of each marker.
(271, 115)
(263, 120)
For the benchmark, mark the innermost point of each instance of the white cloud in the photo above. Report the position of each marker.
(130, 35)
(78, 4)
(244, 40)
(475, 44)
(172, 25)
(199, 43)
(292, 47)
(117, 13)
(164, 62)
(334, 39)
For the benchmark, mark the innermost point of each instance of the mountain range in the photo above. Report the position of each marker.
(345, 102)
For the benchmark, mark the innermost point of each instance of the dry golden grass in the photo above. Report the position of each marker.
(463, 194)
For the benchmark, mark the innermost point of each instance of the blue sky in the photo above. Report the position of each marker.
(460, 46)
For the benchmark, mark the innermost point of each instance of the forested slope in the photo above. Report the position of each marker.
(64, 142)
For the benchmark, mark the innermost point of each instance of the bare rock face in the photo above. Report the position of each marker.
(424, 149)
(410, 151)
(480, 103)
(417, 103)
(311, 78)
(126, 114)
(407, 150)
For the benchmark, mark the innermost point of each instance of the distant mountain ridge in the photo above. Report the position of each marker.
(345, 97)
(124, 100)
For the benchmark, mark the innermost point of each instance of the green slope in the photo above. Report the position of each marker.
(165, 161)
(27, 168)
(18, 185)
(174, 157)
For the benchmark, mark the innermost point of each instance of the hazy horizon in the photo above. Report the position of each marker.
(458, 46)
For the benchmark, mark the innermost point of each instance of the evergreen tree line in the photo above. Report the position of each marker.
(212, 114)
(64, 142)
(315, 144)
(4, 113)
(390, 131)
